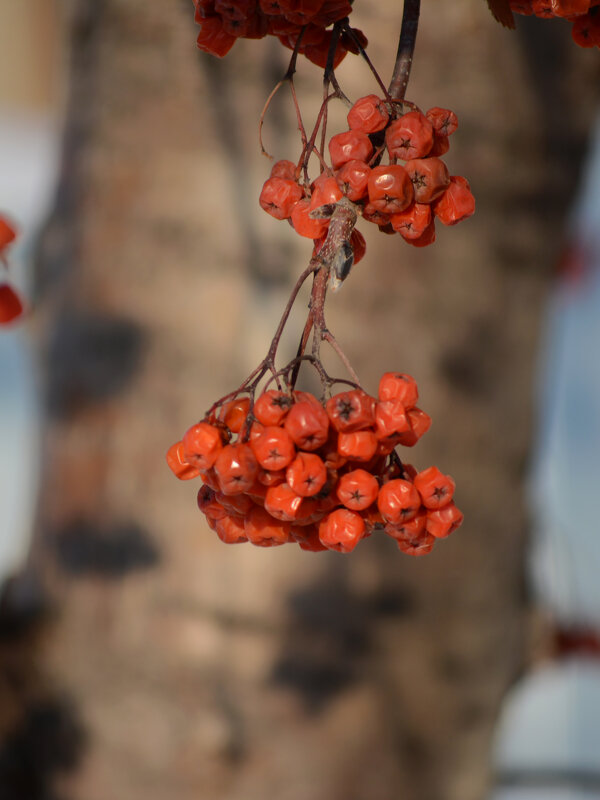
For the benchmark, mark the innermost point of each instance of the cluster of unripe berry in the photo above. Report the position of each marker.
(287, 468)
(584, 14)
(11, 305)
(404, 198)
(223, 21)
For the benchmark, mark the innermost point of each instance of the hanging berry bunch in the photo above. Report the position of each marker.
(403, 198)
(298, 24)
(289, 468)
(583, 14)
(11, 305)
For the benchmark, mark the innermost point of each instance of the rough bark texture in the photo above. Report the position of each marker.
(172, 665)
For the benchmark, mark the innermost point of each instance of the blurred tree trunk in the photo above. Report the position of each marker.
(239, 673)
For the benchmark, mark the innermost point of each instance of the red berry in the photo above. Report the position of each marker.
(444, 121)
(349, 146)
(7, 233)
(11, 306)
(429, 177)
(304, 224)
(368, 114)
(213, 38)
(272, 407)
(457, 202)
(357, 446)
(398, 386)
(410, 136)
(390, 189)
(352, 178)
(412, 223)
(279, 196)
(231, 530)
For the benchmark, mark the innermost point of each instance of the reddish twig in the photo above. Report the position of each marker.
(406, 48)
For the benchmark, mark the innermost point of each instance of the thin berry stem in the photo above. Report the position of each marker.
(406, 48)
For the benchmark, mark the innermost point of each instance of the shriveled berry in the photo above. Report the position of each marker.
(284, 169)
(235, 414)
(304, 224)
(435, 488)
(390, 189)
(283, 503)
(213, 38)
(357, 446)
(368, 114)
(279, 196)
(413, 222)
(209, 505)
(352, 178)
(349, 146)
(272, 407)
(409, 136)
(264, 531)
(351, 411)
(420, 422)
(308, 425)
(429, 177)
(390, 418)
(398, 386)
(341, 530)
(456, 203)
(444, 121)
(231, 530)
(398, 501)
(441, 522)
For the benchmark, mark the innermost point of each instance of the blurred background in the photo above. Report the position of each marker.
(139, 656)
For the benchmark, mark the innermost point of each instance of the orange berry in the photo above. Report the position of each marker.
(231, 530)
(178, 464)
(235, 414)
(263, 530)
(399, 386)
(236, 468)
(398, 501)
(272, 406)
(444, 121)
(351, 411)
(308, 425)
(357, 490)
(273, 448)
(358, 445)
(325, 192)
(284, 169)
(283, 503)
(341, 530)
(7, 233)
(306, 475)
(390, 418)
(235, 504)
(202, 444)
(435, 488)
(420, 422)
(441, 522)
(279, 196)
(410, 529)
(304, 224)
(456, 203)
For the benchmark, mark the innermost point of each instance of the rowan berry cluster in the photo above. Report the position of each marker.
(404, 198)
(11, 305)
(287, 468)
(298, 24)
(584, 14)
